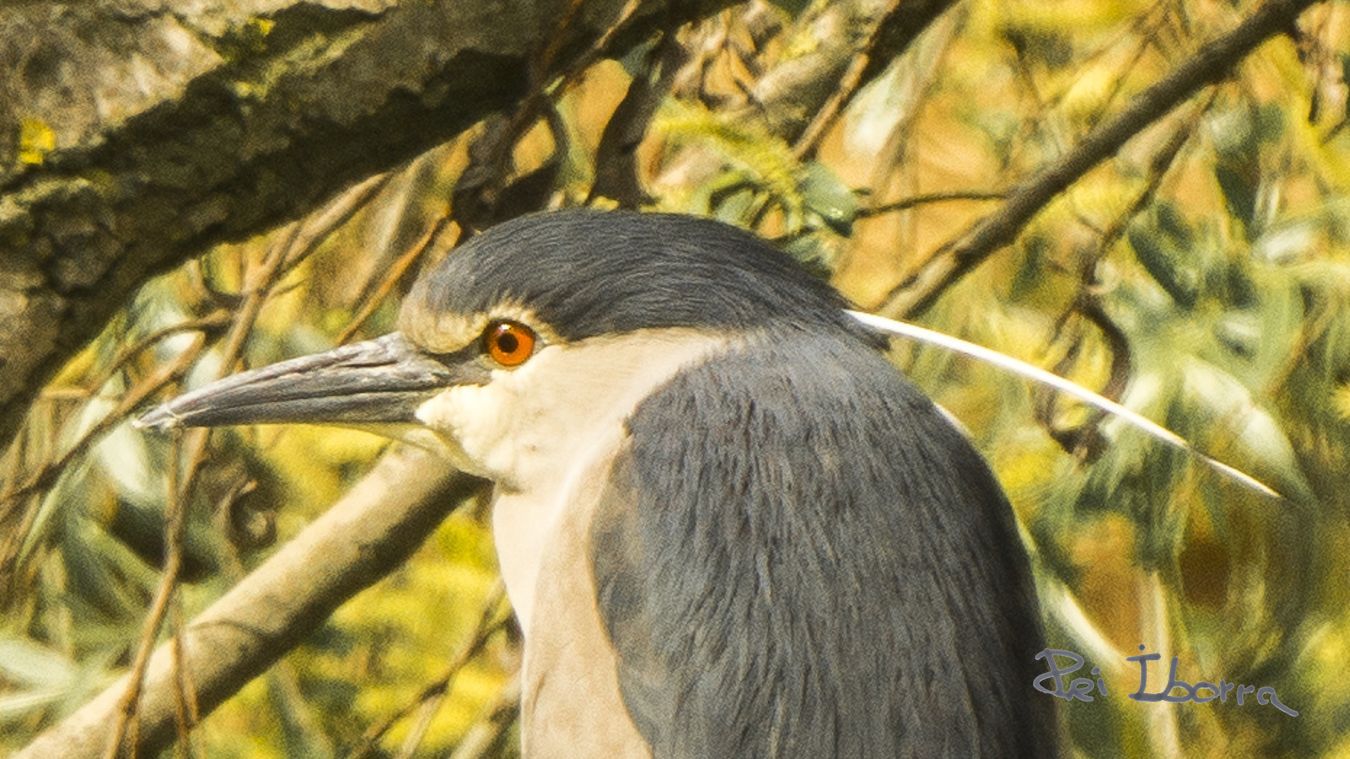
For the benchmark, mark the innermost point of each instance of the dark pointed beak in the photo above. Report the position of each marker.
(380, 381)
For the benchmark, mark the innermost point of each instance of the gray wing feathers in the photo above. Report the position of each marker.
(817, 565)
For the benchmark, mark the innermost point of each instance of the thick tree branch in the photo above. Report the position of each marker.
(363, 537)
(134, 135)
(1214, 61)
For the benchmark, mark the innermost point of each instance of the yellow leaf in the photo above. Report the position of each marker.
(1340, 401)
(36, 140)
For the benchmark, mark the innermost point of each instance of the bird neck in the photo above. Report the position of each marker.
(572, 415)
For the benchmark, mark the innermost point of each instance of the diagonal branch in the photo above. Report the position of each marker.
(1214, 61)
(359, 540)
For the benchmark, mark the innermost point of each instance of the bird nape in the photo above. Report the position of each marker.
(728, 526)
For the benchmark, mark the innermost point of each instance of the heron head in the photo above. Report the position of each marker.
(532, 339)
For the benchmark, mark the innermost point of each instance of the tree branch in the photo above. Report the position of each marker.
(1214, 61)
(134, 135)
(363, 537)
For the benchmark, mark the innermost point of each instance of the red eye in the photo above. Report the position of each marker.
(508, 343)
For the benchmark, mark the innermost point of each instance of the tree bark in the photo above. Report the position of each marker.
(137, 133)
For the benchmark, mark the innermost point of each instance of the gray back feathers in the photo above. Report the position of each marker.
(799, 556)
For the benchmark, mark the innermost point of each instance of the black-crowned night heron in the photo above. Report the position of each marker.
(728, 526)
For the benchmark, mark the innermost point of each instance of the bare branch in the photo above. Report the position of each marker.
(363, 537)
(926, 198)
(396, 272)
(129, 704)
(616, 162)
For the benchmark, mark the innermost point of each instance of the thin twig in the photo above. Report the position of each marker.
(368, 533)
(900, 30)
(259, 282)
(481, 187)
(312, 233)
(176, 528)
(281, 255)
(487, 733)
(46, 476)
(810, 139)
(294, 711)
(919, 82)
(616, 160)
(927, 198)
(301, 240)
(1088, 303)
(396, 272)
(296, 244)
(186, 713)
(434, 697)
(50, 472)
(206, 323)
(1146, 40)
(490, 621)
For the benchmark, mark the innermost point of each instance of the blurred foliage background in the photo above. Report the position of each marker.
(1201, 277)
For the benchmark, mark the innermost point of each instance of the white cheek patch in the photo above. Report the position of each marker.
(479, 424)
(527, 427)
(455, 416)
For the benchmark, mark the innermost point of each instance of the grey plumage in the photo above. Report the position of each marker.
(844, 582)
(588, 273)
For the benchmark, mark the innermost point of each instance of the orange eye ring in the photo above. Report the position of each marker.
(509, 343)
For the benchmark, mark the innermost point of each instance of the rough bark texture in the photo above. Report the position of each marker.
(136, 133)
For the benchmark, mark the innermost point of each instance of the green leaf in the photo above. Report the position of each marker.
(1238, 181)
(825, 194)
(1158, 256)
